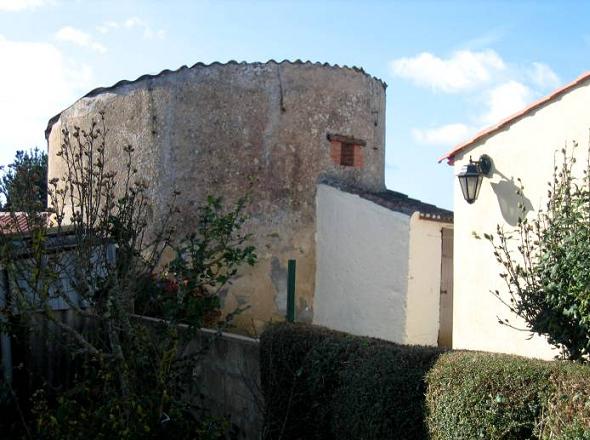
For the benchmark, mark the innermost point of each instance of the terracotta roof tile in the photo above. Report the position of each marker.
(16, 222)
(450, 156)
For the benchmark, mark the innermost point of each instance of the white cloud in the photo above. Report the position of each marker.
(504, 100)
(107, 26)
(79, 38)
(34, 96)
(132, 23)
(492, 89)
(464, 70)
(499, 103)
(22, 5)
(543, 76)
(442, 136)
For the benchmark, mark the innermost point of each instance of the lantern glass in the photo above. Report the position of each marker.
(470, 180)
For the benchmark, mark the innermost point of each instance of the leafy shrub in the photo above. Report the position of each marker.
(567, 413)
(382, 396)
(322, 384)
(83, 412)
(23, 183)
(99, 257)
(187, 291)
(546, 262)
(491, 396)
(497, 396)
(284, 350)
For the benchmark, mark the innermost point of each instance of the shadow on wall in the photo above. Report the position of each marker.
(508, 199)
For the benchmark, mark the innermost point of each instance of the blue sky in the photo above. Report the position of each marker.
(451, 67)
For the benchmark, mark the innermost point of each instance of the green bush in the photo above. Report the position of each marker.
(545, 261)
(105, 256)
(321, 384)
(567, 412)
(497, 396)
(290, 410)
(382, 393)
(488, 396)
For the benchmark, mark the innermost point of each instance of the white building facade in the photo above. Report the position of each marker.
(525, 146)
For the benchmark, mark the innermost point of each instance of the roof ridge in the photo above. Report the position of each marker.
(99, 90)
(488, 131)
(398, 202)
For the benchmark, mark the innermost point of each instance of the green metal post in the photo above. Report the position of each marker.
(291, 290)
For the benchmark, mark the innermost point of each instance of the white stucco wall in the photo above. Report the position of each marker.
(526, 150)
(362, 266)
(424, 274)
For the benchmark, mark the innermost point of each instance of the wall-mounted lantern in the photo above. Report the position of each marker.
(471, 176)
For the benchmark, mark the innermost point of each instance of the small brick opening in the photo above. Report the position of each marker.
(346, 151)
(347, 155)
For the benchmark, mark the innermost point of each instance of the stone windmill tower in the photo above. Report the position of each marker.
(208, 129)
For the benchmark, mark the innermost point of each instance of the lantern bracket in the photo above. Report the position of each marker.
(471, 176)
(485, 165)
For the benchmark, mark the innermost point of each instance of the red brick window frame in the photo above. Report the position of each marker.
(346, 151)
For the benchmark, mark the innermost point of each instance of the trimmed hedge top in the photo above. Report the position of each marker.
(487, 396)
(322, 384)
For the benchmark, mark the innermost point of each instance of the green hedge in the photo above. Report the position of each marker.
(566, 414)
(496, 396)
(487, 396)
(321, 384)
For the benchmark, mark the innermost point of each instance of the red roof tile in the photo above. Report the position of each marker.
(450, 156)
(17, 222)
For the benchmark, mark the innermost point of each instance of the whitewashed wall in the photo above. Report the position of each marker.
(526, 150)
(362, 266)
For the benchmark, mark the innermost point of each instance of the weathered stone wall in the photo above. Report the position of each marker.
(228, 379)
(209, 129)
